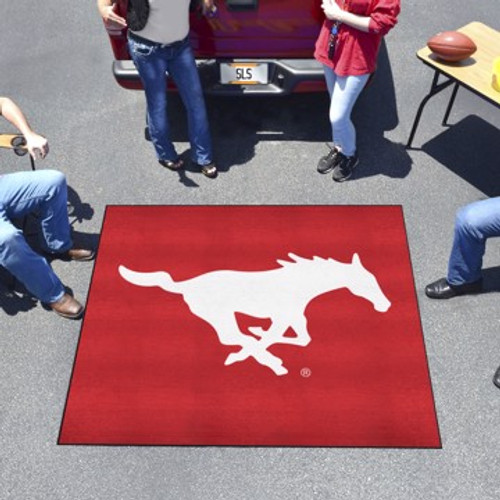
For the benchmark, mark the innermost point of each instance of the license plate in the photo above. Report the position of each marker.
(241, 73)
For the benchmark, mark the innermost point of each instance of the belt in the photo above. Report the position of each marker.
(140, 39)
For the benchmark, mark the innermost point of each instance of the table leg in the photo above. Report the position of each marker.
(435, 89)
(450, 105)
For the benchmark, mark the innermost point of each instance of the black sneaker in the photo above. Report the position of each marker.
(344, 167)
(326, 163)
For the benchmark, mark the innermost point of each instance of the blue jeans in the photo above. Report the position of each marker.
(474, 224)
(344, 91)
(155, 62)
(43, 193)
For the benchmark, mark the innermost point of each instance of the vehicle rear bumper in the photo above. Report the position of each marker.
(286, 76)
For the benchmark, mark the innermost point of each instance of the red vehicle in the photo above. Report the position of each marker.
(248, 47)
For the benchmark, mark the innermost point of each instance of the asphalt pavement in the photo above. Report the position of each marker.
(56, 64)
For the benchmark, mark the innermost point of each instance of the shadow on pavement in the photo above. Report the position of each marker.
(238, 124)
(14, 301)
(374, 114)
(78, 211)
(491, 279)
(471, 149)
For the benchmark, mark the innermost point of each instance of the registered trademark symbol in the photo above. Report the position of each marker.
(305, 372)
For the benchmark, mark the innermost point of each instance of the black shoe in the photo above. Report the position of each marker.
(344, 167)
(209, 170)
(496, 378)
(172, 164)
(326, 163)
(441, 289)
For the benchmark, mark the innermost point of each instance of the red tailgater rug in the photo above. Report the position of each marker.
(252, 325)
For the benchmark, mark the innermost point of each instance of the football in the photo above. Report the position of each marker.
(451, 46)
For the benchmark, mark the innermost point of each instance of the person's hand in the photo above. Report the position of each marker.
(332, 10)
(37, 145)
(110, 17)
(209, 7)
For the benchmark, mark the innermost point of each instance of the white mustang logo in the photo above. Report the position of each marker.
(280, 294)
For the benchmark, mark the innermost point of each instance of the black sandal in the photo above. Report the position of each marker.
(172, 165)
(209, 170)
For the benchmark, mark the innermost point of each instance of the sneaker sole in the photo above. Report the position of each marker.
(347, 176)
(329, 169)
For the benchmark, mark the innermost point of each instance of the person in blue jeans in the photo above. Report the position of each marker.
(474, 224)
(44, 193)
(159, 45)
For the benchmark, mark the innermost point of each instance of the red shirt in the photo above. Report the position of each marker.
(356, 51)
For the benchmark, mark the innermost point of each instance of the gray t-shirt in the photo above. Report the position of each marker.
(168, 21)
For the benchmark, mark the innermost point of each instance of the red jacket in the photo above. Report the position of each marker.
(356, 51)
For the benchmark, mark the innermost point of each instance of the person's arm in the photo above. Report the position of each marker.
(107, 10)
(36, 144)
(382, 18)
(335, 13)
